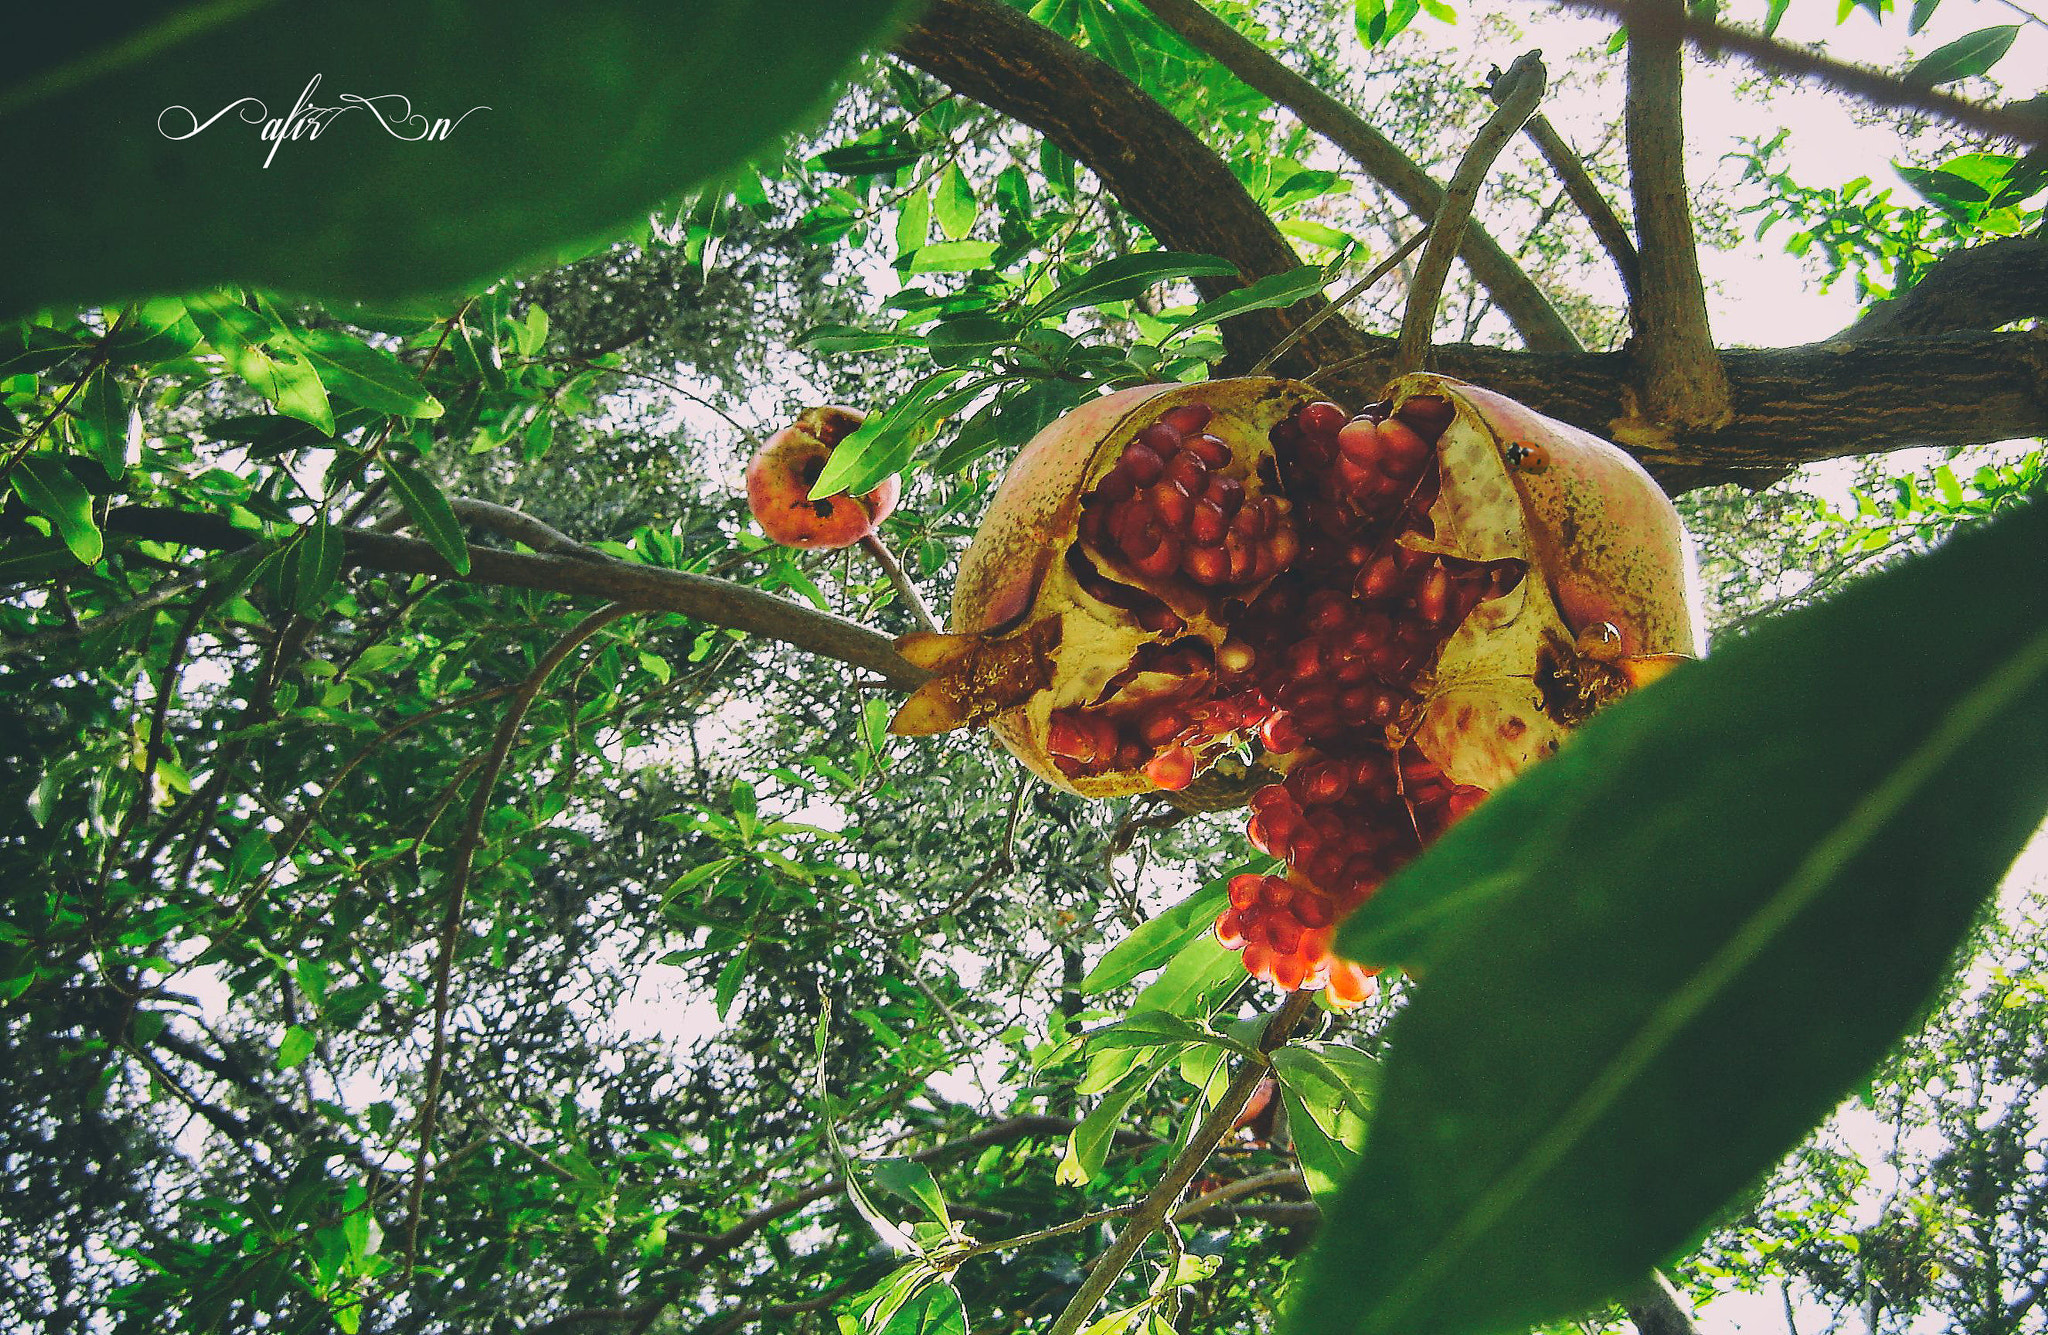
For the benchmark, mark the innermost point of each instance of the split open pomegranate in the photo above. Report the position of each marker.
(1384, 616)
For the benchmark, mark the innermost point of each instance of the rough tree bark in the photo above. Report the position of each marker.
(1679, 375)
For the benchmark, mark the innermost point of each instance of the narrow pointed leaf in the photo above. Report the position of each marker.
(1653, 963)
(1126, 276)
(430, 510)
(366, 375)
(1963, 58)
(51, 491)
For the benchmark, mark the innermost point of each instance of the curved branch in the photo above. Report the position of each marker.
(1680, 375)
(1534, 318)
(642, 588)
(1980, 288)
(1177, 185)
(1519, 91)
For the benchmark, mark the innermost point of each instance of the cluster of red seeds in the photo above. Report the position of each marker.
(1318, 664)
(1170, 508)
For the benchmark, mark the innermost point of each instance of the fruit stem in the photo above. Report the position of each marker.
(873, 545)
(1153, 1212)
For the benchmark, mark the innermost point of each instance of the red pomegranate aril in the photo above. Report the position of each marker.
(1188, 472)
(1162, 726)
(1273, 797)
(1188, 418)
(1207, 565)
(1245, 888)
(1349, 984)
(1226, 492)
(1320, 418)
(1285, 934)
(1141, 463)
(1160, 562)
(1403, 451)
(1229, 932)
(1314, 910)
(1115, 488)
(1244, 558)
(1282, 548)
(1209, 523)
(1258, 960)
(1173, 504)
(1427, 414)
(1433, 599)
(1209, 449)
(1381, 580)
(1290, 971)
(1236, 657)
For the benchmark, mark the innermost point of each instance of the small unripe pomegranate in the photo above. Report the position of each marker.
(780, 478)
(1394, 612)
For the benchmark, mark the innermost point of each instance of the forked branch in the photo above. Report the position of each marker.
(1518, 91)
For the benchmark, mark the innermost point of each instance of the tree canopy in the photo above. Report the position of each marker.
(458, 872)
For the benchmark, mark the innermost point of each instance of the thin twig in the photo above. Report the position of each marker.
(873, 545)
(1158, 1206)
(1888, 90)
(147, 601)
(1344, 298)
(1584, 193)
(1526, 79)
(458, 886)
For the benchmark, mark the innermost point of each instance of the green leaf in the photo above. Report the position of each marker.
(310, 566)
(914, 222)
(153, 332)
(366, 375)
(953, 203)
(1088, 1144)
(1150, 1028)
(1280, 289)
(1963, 58)
(239, 335)
(966, 338)
(952, 257)
(1011, 420)
(934, 1310)
(1923, 10)
(430, 510)
(1664, 954)
(541, 130)
(48, 488)
(913, 1182)
(100, 421)
(1160, 938)
(1128, 276)
(297, 1045)
(1196, 981)
(884, 442)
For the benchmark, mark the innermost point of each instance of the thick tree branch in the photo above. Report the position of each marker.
(1791, 405)
(1679, 373)
(1521, 89)
(1886, 90)
(643, 588)
(1182, 191)
(1980, 288)
(1534, 318)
